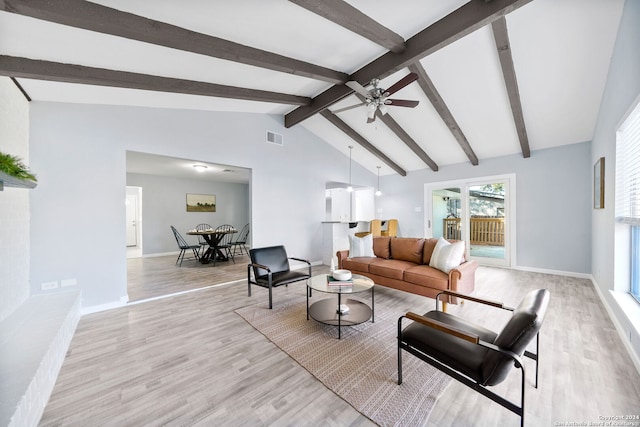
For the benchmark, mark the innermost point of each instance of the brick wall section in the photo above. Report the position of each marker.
(14, 202)
(35, 331)
(35, 341)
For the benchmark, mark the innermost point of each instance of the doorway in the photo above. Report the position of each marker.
(480, 212)
(133, 220)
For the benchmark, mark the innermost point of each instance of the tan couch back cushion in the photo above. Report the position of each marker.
(430, 245)
(381, 247)
(407, 249)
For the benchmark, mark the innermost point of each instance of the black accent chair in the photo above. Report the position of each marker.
(472, 354)
(184, 247)
(241, 242)
(270, 267)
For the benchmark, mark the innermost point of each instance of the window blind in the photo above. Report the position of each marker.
(628, 169)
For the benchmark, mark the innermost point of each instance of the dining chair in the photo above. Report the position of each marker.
(203, 242)
(241, 242)
(184, 247)
(225, 242)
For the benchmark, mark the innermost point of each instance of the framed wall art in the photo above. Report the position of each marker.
(201, 203)
(598, 184)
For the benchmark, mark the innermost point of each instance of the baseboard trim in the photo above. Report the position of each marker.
(622, 333)
(103, 307)
(554, 272)
(176, 253)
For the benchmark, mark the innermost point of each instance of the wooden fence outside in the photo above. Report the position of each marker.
(484, 231)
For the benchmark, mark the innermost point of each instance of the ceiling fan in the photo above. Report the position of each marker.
(376, 98)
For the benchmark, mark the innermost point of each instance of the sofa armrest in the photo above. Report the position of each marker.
(462, 278)
(342, 255)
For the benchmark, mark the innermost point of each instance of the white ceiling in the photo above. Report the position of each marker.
(152, 164)
(561, 52)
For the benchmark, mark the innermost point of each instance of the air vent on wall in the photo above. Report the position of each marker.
(274, 138)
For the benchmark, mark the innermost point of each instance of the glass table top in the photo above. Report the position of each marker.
(358, 282)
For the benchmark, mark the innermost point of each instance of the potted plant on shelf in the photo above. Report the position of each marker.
(13, 167)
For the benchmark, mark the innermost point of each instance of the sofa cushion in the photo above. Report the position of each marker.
(407, 249)
(356, 265)
(427, 276)
(447, 256)
(427, 251)
(361, 246)
(381, 247)
(391, 268)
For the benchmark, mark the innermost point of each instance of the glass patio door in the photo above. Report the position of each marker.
(477, 211)
(446, 211)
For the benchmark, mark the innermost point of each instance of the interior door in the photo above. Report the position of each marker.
(131, 219)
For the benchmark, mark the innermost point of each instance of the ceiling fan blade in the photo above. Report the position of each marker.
(401, 103)
(358, 88)
(409, 78)
(340, 110)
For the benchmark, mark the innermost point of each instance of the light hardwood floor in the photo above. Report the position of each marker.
(190, 360)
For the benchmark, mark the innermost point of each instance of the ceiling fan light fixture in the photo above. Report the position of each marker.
(375, 98)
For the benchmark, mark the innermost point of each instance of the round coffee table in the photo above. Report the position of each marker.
(347, 312)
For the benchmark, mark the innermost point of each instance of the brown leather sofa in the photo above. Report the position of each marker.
(403, 263)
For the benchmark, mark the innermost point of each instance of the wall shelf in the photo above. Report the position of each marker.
(10, 181)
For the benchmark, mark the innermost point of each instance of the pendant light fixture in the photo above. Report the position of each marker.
(378, 192)
(350, 188)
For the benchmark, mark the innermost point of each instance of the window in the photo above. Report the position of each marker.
(628, 188)
(635, 262)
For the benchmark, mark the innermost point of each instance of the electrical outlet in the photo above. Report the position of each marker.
(45, 286)
(68, 282)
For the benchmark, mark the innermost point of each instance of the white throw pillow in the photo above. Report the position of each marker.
(446, 256)
(361, 246)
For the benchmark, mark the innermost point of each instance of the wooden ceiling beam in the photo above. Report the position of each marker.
(501, 36)
(347, 16)
(337, 122)
(69, 73)
(102, 19)
(441, 108)
(468, 18)
(403, 136)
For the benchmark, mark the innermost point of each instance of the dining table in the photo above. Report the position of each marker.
(213, 237)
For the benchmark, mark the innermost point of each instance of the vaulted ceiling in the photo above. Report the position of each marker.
(495, 77)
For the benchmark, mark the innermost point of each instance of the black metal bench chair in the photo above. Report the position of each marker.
(472, 354)
(270, 267)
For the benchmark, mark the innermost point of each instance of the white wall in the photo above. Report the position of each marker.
(622, 88)
(164, 204)
(553, 197)
(14, 202)
(79, 151)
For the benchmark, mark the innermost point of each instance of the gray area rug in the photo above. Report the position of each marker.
(361, 368)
